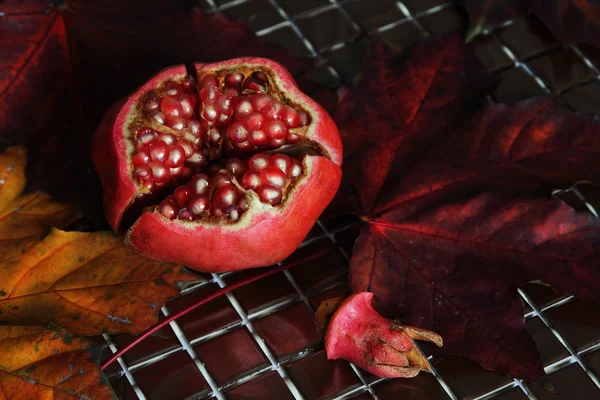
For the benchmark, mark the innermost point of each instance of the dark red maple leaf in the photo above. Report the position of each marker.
(456, 218)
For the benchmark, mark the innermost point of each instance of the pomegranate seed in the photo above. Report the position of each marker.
(167, 138)
(199, 184)
(168, 208)
(224, 103)
(236, 166)
(209, 95)
(170, 108)
(243, 146)
(233, 212)
(276, 129)
(225, 195)
(260, 100)
(188, 149)
(275, 143)
(253, 84)
(146, 136)
(223, 118)
(186, 172)
(181, 195)
(234, 79)
(197, 160)
(141, 158)
(159, 172)
(157, 116)
(269, 194)
(208, 81)
(149, 185)
(174, 90)
(198, 204)
(175, 157)
(217, 212)
(189, 83)
(197, 128)
(291, 117)
(242, 107)
(295, 168)
(151, 103)
(158, 151)
(176, 171)
(273, 110)
(233, 91)
(273, 176)
(221, 179)
(210, 113)
(214, 137)
(303, 118)
(243, 203)
(261, 76)
(237, 132)
(293, 138)
(259, 161)
(251, 180)
(143, 172)
(185, 214)
(254, 121)
(188, 107)
(176, 123)
(281, 161)
(258, 137)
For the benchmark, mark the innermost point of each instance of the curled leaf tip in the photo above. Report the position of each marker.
(358, 334)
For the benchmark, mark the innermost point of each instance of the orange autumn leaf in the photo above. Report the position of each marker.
(38, 363)
(88, 283)
(12, 174)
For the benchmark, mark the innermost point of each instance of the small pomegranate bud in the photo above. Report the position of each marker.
(234, 79)
(199, 184)
(295, 168)
(236, 166)
(188, 107)
(293, 138)
(269, 194)
(170, 108)
(291, 117)
(157, 116)
(197, 160)
(281, 161)
(259, 161)
(237, 132)
(276, 129)
(233, 212)
(185, 214)
(254, 121)
(357, 333)
(225, 195)
(181, 195)
(198, 204)
(167, 138)
(141, 158)
(273, 110)
(158, 151)
(258, 137)
(208, 81)
(210, 113)
(187, 147)
(151, 103)
(143, 172)
(251, 180)
(273, 176)
(146, 136)
(168, 208)
(175, 157)
(260, 100)
(159, 172)
(242, 107)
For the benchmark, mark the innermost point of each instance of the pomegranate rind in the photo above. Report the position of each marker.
(360, 335)
(264, 235)
(111, 151)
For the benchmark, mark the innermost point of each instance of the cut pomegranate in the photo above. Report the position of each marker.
(385, 348)
(234, 164)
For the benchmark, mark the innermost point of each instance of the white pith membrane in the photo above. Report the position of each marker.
(208, 152)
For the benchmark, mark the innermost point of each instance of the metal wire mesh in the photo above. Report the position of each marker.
(247, 319)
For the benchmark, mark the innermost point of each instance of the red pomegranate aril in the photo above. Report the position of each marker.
(276, 143)
(151, 103)
(220, 179)
(159, 172)
(170, 108)
(243, 203)
(260, 100)
(234, 79)
(293, 138)
(140, 158)
(225, 195)
(210, 113)
(269, 194)
(174, 90)
(197, 128)
(176, 171)
(188, 108)
(251, 180)
(291, 117)
(157, 116)
(167, 138)
(224, 103)
(237, 132)
(209, 95)
(216, 211)
(185, 214)
(199, 184)
(261, 76)
(143, 172)
(197, 160)
(258, 137)
(303, 118)
(232, 91)
(158, 151)
(177, 123)
(236, 166)
(243, 146)
(168, 208)
(276, 129)
(208, 81)
(175, 157)
(242, 107)
(255, 85)
(214, 137)
(259, 161)
(198, 204)
(254, 121)
(273, 176)
(273, 110)
(187, 147)
(181, 195)
(223, 118)
(233, 212)
(281, 161)
(146, 136)
(295, 168)
(149, 185)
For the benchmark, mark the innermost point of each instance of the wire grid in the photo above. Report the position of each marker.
(367, 386)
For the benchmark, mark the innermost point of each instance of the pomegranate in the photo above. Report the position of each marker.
(226, 169)
(357, 333)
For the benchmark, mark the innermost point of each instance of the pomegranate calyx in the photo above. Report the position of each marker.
(358, 334)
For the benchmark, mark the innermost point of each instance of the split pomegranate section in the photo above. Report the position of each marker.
(224, 169)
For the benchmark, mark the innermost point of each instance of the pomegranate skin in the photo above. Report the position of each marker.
(264, 234)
